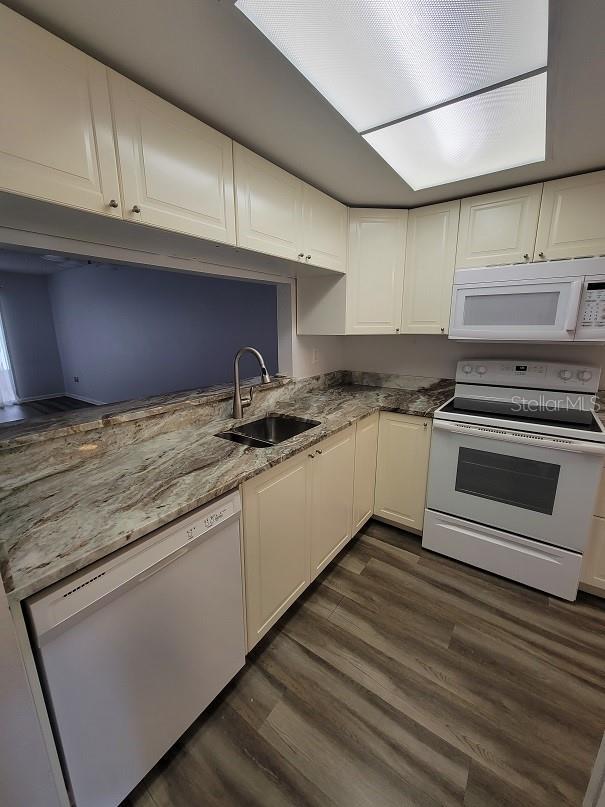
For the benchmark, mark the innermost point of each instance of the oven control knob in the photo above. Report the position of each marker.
(467, 369)
(584, 375)
(481, 370)
(565, 374)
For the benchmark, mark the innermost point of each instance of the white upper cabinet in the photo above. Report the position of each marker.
(56, 135)
(324, 230)
(498, 227)
(376, 267)
(429, 268)
(269, 206)
(572, 218)
(177, 173)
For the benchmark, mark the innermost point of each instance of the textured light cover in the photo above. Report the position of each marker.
(490, 132)
(379, 60)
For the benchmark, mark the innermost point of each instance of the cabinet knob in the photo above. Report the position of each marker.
(541, 254)
(526, 256)
(310, 456)
(308, 258)
(396, 330)
(113, 203)
(136, 209)
(301, 254)
(319, 451)
(443, 330)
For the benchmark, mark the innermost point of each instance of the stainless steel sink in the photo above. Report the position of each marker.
(268, 431)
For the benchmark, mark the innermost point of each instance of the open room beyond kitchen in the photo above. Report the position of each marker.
(302, 393)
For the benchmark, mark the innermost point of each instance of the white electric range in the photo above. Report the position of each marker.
(515, 464)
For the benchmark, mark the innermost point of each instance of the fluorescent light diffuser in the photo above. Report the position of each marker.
(379, 60)
(499, 129)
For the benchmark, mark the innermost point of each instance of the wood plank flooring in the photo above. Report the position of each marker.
(402, 678)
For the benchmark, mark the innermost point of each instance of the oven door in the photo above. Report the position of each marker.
(527, 484)
(527, 310)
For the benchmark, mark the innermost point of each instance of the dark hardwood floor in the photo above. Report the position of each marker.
(44, 406)
(403, 678)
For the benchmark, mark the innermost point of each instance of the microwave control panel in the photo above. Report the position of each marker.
(592, 307)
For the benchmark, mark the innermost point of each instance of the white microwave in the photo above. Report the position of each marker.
(555, 301)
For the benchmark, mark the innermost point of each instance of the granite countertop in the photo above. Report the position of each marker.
(98, 493)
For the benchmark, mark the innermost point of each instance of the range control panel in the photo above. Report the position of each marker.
(529, 375)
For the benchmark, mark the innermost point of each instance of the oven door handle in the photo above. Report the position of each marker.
(558, 443)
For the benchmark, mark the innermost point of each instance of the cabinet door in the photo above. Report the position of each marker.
(324, 230)
(332, 497)
(276, 542)
(593, 564)
(268, 205)
(375, 273)
(429, 268)
(498, 227)
(572, 218)
(174, 168)
(401, 472)
(56, 135)
(366, 448)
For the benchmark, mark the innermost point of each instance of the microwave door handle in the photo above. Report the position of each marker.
(560, 444)
(574, 304)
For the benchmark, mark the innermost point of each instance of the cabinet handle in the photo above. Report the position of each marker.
(112, 203)
(526, 256)
(541, 254)
(136, 209)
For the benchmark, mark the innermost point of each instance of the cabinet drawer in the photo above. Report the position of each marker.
(541, 566)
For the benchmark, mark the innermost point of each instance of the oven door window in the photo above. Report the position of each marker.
(520, 482)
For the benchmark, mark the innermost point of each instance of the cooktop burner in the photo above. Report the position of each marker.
(579, 420)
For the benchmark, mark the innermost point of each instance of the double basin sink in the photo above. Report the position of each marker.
(268, 431)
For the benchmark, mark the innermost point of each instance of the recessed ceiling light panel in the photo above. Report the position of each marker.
(493, 131)
(379, 60)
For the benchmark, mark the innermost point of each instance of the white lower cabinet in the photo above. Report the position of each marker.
(366, 450)
(401, 474)
(333, 464)
(296, 517)
(593, 565)
(276, 512)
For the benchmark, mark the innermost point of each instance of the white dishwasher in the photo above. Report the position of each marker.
(134, 648)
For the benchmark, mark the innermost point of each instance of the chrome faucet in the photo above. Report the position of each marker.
(239, 403)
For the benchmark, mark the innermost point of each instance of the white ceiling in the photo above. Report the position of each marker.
(207, 58)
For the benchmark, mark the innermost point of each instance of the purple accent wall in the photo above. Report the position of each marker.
(30, 334)
(130, 332)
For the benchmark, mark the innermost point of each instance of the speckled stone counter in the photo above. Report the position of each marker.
(73, 496)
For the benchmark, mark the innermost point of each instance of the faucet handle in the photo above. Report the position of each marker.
(248, 399)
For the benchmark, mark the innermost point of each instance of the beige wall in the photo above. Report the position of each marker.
(436, 356)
